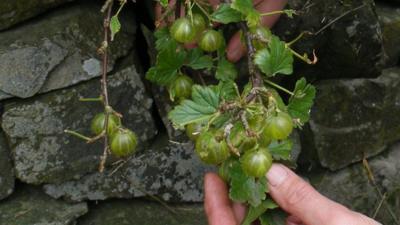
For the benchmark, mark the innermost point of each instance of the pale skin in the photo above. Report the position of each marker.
(300, 200)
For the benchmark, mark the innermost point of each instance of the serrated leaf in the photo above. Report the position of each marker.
(273, 217)
(197, 60)
(274, 59)
(226, 70)
(169, 61)
(163, 38)
(228, 90)
(225, 14)
(246, 7)
(204, 104)
(115, 26)
(254, 213)
(300, 103)
(281, 150)
(246, 189)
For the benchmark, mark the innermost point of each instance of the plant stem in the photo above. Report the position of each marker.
(99, 99)
(279, 87)
(78, 135)
(276, 12)
(106, 27)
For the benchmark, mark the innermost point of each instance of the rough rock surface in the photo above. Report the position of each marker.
(355, 118)
(389, 17)
(59, 51)
(128, 212)
(351, 186)
(351, 44)
(15, 11)
(43, 153)
(6, 170)
(29, 206)
(171, 171)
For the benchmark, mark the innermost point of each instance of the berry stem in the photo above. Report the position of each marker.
(106, 27)
(78, 135)
(279, 87)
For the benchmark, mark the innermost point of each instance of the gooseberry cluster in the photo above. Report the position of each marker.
(123, 141)
(241, 127)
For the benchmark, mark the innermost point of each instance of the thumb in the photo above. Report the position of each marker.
(300, 199)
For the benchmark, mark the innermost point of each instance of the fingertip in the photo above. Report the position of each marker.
(235, 49)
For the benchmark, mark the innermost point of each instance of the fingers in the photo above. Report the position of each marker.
(216, 203)
(301, 200)
(236, 49)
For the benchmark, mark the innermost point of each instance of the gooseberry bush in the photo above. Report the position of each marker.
(241, 129)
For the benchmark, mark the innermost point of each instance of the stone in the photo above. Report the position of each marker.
(352, 187)
(169, 170)
(128, 212)
(356, 118)
(16, 11)
(6, 169)
(389, 17)
(347, 37)
(29, 206)
(43, 153)
(58, 50)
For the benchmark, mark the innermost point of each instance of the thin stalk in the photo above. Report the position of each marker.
(279, 87)
(276, 13)
(106, 27)
(78, 135)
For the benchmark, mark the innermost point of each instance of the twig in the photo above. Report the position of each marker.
(338, 18)
(108, 110)
(371, 178)
(379, 206)
(227, 133)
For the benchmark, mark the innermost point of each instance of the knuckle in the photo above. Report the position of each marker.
(298, 192)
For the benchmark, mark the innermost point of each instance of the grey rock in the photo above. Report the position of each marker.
(58, 50)
(348, 46)
(128, 212)
(352, 187)
(389, 17)
(43, 153)
(171, 171)
(29, 206)
(6, 169)
(16, 11)
(355, 118)
(25, 80)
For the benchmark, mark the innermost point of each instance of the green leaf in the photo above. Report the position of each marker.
(273, 217)
(300, 103)
(163, 38)
(289, 12)
(246, 189)
(228, 90)
(163, 3)
(169, 61)
(281, 150)
(226, 70)
(115, 26)
(197, 60)
(246, 7)
(204, 105)
(274, 59)
(255, 212)
(243, 6)
(225, 14)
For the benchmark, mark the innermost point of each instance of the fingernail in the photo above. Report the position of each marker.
(276, 175)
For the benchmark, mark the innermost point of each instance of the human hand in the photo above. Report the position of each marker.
(235, 48)
(300, 200)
